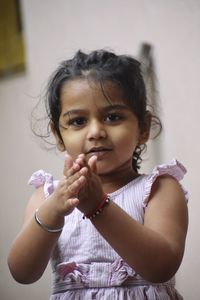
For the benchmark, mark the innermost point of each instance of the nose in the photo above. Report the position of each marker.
(96, 130)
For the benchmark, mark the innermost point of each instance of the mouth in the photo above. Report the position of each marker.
(98, 151)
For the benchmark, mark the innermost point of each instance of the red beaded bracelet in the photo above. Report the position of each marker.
(98, 209)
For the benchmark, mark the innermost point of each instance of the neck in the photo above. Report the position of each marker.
(117, 179)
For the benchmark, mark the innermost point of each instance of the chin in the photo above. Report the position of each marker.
(104, 171)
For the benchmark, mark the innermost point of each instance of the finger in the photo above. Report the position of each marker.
(74, 169)
(74, 188)
(75, 175)
(68, 164)
(72, 202)
(65, 182)
(83, 171)
(81, 160)
(92, 162)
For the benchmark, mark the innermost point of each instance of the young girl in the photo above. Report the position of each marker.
(109, 231)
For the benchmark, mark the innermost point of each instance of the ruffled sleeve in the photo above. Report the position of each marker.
(174, 169)
(41, 178)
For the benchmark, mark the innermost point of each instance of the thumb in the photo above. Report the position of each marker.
(74, 202)
(71, 204)
(67, 164)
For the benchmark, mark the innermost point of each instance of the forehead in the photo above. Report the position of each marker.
(84, 90)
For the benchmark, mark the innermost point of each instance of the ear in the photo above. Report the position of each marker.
(59, 141)
(145, 128)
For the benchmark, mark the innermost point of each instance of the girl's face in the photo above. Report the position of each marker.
(93, 125)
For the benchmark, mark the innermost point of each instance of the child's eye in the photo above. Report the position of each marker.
(112, 117)
(77, 122)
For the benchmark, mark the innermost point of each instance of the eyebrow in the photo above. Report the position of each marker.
(104, 109)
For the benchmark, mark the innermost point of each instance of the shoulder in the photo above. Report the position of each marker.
(165, 198)
(167, 204)
(166, 187)
(43, 179)
(167, 209)
(44, 184)
(165, 176)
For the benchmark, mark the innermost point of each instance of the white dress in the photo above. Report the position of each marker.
(85, 266)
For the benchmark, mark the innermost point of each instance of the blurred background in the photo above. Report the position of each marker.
(34, 37)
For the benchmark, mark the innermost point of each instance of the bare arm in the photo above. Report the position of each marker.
(155, 249)
(32, 248)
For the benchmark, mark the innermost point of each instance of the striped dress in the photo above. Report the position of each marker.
(85, 266)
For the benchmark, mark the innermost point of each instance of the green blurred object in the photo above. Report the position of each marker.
(12, 52)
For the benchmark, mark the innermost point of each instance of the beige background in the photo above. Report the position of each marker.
(54, 30)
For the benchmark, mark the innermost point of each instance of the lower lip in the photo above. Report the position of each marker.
(99, 154)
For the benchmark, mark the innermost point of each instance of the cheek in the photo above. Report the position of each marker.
(73, 144)
(127, 147)
(128, 138)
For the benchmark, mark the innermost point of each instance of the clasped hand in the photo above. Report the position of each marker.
(80, 187)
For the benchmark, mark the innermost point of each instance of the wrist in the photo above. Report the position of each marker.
(44, 226)
(98, 209)
(49, 216)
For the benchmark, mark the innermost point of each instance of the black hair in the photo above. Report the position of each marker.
(102, 66)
